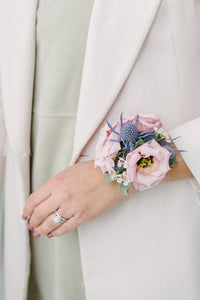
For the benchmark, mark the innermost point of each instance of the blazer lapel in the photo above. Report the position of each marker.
(17, 70)
(116, 34)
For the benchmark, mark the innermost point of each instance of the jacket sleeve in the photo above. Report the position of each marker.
(189, 141)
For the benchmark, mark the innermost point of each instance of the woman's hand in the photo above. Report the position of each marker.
(80, 193)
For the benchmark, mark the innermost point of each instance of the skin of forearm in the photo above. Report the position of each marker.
(80, 198)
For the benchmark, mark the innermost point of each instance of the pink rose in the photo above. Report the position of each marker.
(106, 149)
(145, 122)
(142, 177)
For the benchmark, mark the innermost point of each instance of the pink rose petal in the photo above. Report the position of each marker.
(149, 176)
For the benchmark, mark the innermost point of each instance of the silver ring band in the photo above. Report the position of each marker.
(58, 218)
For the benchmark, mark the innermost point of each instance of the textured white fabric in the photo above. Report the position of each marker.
(142, 56)
(190, 142)
(17, 53)
(16, 246)
(2, 123)
(117, 31)
(2, 144)
(147, 247)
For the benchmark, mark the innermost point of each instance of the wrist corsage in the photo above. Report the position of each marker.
(135, 150)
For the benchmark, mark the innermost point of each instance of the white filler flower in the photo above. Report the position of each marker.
(163, 133)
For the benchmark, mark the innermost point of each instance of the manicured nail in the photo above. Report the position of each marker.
(30, 227)
(49, 235)
(24, 217)
(36, 234)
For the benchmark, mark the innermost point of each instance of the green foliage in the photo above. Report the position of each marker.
(139, 143)
(122, 152)
(124, 189)
(108, 178)
(172, 161)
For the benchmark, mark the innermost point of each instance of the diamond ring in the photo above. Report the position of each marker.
(58, 218)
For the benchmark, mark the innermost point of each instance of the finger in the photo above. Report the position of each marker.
(48, 225)
(42, 211)
(36, 198)
(66, 227)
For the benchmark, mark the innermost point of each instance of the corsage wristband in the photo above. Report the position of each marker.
(135, 150)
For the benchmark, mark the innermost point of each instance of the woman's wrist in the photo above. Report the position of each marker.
(137, 151)
(178, 171)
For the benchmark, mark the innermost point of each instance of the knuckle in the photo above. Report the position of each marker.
(31, 200)
(56, 181)
(66, 194)
(59, 177)
(62, 211)
(63, 196)
(77, 203)
(83, 214)
(37, 213)
(42, 230)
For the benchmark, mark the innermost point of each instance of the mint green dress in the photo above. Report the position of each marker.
(61, 35)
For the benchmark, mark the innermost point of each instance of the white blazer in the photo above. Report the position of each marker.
(142, 56)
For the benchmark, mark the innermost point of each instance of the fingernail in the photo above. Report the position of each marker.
(36, 234)
(30, 227)
(24, 217)
(49, 235)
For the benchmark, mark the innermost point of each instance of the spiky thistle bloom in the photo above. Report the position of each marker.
(129, 133)
(173, 151)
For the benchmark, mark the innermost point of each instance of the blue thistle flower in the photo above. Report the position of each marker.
(149, 137)
(170, 149)
(172, 159)
(129, 133)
